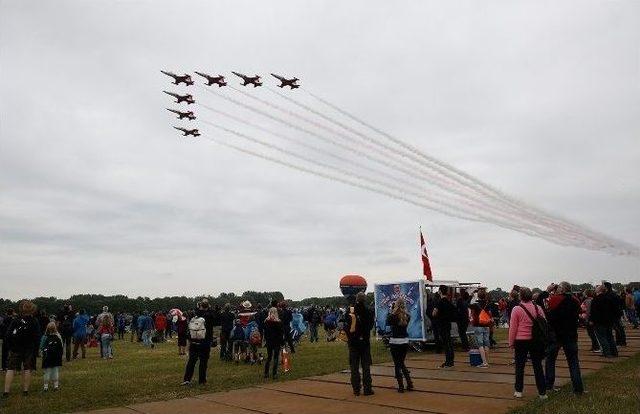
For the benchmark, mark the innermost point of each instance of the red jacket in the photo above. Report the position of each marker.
(160, 322)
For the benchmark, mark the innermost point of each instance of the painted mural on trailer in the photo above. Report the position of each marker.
(412, 293)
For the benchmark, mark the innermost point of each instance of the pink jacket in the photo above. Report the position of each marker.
(520, 325)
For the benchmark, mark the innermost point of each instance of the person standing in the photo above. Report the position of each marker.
(80, 333)
(462, 307)
(160, 323)
(182, 328)
(122, 324)
(586, 312)
(274, 340)
(444, 314)
(145, 325)
(287, 317)
(105, 334)
(630, 308)
(359, 322)
(480, 320)
(200, 339)
(4, 330)
(51, 349)
(602, 317)
(521, 340)
(134, 327)
(65, 328)
(314, 319)
(226, 325)
(23, 338)
(563, 315)
(398, 320)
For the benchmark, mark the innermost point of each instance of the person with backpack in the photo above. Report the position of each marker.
(80, 323)
(51, 348)
(444, 314)
(398, 320)
(480, 320)
(200, 339)
(4, 329)
(358, 325)
(528, 336)
(23, 339)
(563, 315)
(274, 340)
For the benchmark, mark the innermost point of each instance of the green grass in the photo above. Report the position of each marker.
(611, 390)
(138, 374)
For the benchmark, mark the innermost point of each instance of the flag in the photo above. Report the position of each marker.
(426, 267)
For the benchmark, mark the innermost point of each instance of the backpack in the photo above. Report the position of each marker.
(52, 347)
(237, 333)
(539, 331)
(254, 337)
(20, 334)
(197, 328)
(484, 318)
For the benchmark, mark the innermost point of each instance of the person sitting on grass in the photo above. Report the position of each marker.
(23, 336)
(51, 348)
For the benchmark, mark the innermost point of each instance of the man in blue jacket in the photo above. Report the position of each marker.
(80, 333)
(145, 325)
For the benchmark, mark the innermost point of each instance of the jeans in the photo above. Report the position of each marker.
(313, 332)
(146, 338)
(105, 342)
(633, 317)
(621, 336)
(51, 373)
(462, 333)
(447, 343)
(595, 346)
(198, 351)
(524, 349)
(607, 343)
(570, 349)
(273, 352)
(399, 353)
(66, 340)
(360, 355)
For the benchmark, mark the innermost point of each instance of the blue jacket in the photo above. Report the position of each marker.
(636, 297)
(80, 326)
(145, 323)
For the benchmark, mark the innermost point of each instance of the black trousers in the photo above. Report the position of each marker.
(462, 333)
(570, 348)
(447, 342)
(604, 333)
(288, 338)
(360, 356)
(399, 353)
(524, 348)
(592, 335)
(225, 345)
(67, 347)
(198, 351)
(5, 354)
(621, 336)
(273, 352)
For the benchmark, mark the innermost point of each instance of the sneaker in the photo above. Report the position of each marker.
(543, 396)
(517, 394)
(445, 365)
(483, 366)
(356, 393)
(368, 392)
(185, 383)
(45, 389)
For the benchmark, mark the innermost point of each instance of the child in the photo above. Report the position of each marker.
(51, 348)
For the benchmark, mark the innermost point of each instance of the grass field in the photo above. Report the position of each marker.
(138, 374)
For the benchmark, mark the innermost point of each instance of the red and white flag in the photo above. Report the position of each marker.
(426, 267)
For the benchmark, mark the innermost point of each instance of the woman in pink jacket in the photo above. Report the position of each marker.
(520, 335)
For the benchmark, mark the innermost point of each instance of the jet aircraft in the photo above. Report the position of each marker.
(292, 83)
(186, 132)
(253, 80)
(218, 80)
(189, 114)
(181, 98)
(178, 79)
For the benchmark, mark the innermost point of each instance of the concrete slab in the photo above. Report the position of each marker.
(505, 361)
(270, 401)
(417, 401)
(452, 388)
(118, 410)
(465, 367)
(187, 406)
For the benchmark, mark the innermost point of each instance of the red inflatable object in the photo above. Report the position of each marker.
(350, 285)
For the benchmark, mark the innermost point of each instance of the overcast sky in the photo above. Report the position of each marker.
(98, 194)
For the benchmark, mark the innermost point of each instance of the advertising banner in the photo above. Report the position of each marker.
(412, 293)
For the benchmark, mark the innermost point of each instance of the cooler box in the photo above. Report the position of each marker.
(474, 358)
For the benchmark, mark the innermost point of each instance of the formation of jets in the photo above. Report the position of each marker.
(219, 81)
